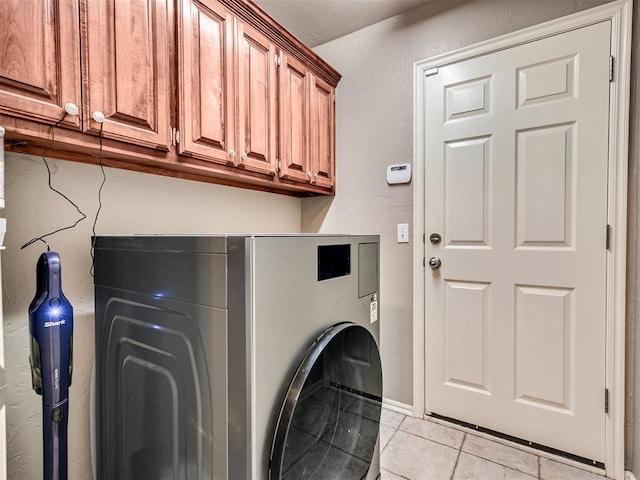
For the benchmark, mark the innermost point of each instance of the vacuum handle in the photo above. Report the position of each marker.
(51, 363)
(48, 276)
(54, 432)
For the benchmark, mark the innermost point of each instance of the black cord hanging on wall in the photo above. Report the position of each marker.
(98, 117)
(69, 110)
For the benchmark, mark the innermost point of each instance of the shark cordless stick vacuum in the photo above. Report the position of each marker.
(51, 329)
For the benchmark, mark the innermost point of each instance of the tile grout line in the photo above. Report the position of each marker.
(439, 442)
(395, 430)
(500, 464)
(495, 462)
(388, 442)
(539, 469)
(458, 457)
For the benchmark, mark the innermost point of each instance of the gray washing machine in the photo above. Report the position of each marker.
(237, 357)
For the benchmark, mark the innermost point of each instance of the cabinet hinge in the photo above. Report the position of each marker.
(611, 63)
(424, 235)
(277, 164)
(608, 239)
(279, 58)
(174, 136)
(424, 262)
(606, 400)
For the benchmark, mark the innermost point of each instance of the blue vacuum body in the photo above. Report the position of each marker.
(51, 329)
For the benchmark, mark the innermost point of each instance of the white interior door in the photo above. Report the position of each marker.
(516, 156)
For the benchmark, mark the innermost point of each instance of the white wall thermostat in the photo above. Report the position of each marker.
(399, 173)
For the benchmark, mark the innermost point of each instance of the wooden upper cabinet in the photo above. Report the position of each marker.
(39, 59)
(257, 119)
(127, 70)
(322, 133)
(294, 91)
(206, 81)
(208, 89)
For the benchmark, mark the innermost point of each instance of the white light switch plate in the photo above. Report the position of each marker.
(403, 233)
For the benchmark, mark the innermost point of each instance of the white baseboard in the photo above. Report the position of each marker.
(396, 406)
(629, 476)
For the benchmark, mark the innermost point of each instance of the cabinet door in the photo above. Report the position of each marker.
(127, 60)
(295, 87)
(256, 101)
(39, 59)
(206, 81)
(322, 133)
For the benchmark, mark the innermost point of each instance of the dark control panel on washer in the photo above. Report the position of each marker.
(333, 261)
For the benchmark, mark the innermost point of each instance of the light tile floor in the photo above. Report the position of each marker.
(416, 449)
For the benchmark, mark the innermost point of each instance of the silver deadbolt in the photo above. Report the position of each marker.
(435, 238)
(435, 263)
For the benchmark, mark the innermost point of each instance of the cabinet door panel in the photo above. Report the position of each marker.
(256, 101)
(322, 133)
(207, 120)
(39, 59)
(128, 75)
(294, 120)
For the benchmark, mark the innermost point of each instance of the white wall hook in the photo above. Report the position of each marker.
(98, 116)
(71, 108)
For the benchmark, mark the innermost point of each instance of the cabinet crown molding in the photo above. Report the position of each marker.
(260, 20)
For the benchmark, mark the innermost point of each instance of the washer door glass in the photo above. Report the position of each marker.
(329, 422)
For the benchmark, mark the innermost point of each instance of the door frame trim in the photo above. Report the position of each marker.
(619, 13)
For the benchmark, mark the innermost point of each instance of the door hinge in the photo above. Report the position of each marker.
(611, 63)
(279, 58)
(277, 164)
(606, 400)
(3, 387)
(431, 71)
(608, 239)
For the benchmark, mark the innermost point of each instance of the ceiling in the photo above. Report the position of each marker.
(315, 22)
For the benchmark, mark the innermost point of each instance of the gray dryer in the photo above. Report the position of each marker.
(237, 357)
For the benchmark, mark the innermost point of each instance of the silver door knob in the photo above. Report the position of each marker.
(435, 263)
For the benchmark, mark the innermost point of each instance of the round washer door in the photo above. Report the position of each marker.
(329, 423)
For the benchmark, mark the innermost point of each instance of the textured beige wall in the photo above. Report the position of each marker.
(132, 203)
(375, 128)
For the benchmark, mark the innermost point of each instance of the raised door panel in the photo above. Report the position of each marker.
(294, 120)
(322, 133)
(256, 101)
(39, 59)
(206, 86)
(127, 62)
(466, 335)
